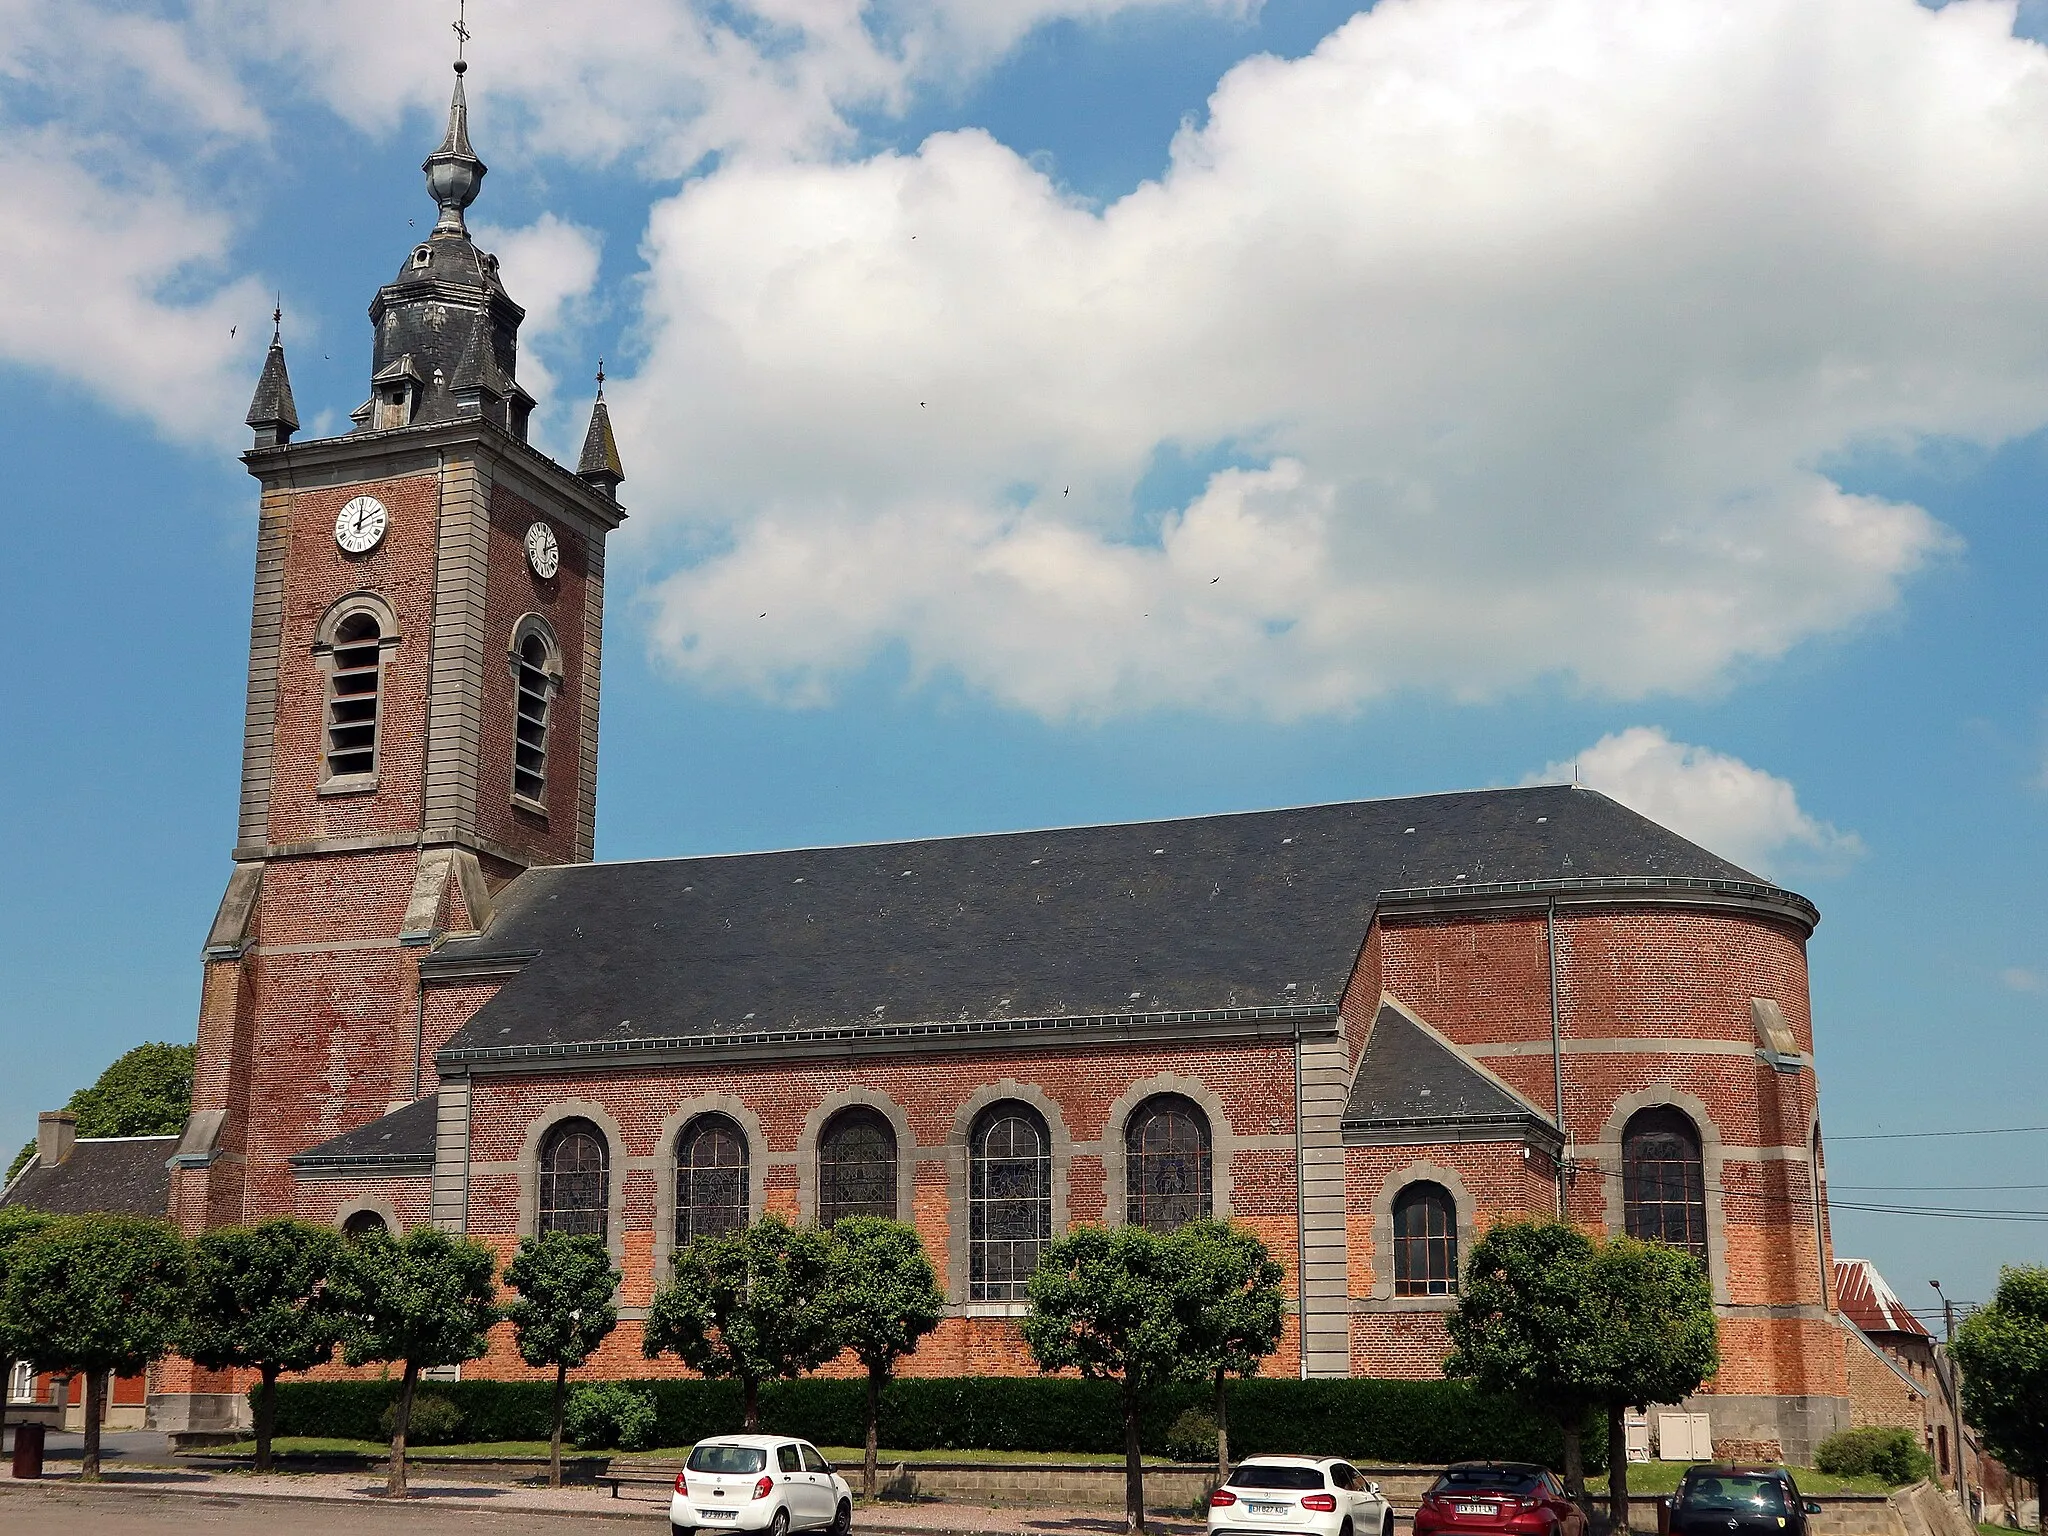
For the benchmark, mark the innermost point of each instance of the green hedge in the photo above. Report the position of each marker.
(1369, 1421)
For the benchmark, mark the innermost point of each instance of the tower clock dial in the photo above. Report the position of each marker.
(543, 553)
(361, 525)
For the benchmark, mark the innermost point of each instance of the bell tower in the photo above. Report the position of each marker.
(422, 709)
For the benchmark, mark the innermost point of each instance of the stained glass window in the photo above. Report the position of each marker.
(711, 1178)
(1009, 1200)
(1166, 1164)
(857, 1166)
(574, 1192)
(1664, 1180)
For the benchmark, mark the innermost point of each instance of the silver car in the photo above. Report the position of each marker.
(759, 1483)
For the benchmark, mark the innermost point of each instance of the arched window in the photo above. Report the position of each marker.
(1009, 1200)
(1664, 1179)
(362, 1224)
(575, 1183)
(21, 1383)
(1425, 1241)
(531, 687)
(711, 1177)
(857, 1166)
(355, 670)
(1166, 1164)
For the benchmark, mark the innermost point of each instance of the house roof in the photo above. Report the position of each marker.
(1870, 1303)
(1411, 1078)
(406, 1135)
(1259, 910)
(104, 1175)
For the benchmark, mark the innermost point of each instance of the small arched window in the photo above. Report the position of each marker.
(362, 1224)
(857, 1166)
(1425, 1241)
(1166, 1164)
(1664, 1179)
(711, 1178)
(532, 686)
(1009, 1200)
(355, 673)
(575, 1182)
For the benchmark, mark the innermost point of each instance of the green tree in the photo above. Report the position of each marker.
(425, 1300)
(1231, 1286)
(17, 1225)
(259, 1301)
(1650, 1313)
(93, 1295)
(747, 1305)
(147, 1092)
(2002, 1349)
(884, 1298)
(567, 1306)
(1109, 1303)
(1520, 1327)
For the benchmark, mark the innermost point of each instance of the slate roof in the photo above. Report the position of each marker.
(600, 448)
(104, 1175)
(1409, 1076)
(404, 1136)
(272, 406)
(1869, 1301)
(1263, 909)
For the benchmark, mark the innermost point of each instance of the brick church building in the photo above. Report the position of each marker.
(1366, 1030)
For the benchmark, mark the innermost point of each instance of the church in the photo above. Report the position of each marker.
(1366, 1031)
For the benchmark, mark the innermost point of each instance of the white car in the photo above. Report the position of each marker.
(1299, 1495)
(759, 1483)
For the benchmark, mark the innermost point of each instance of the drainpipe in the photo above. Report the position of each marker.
(1300, 1214)
(1556, 1050)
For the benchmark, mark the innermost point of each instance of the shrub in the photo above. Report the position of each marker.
(1192, 1438)
(610, 1415)
(435, 1421)
(1892, 1455)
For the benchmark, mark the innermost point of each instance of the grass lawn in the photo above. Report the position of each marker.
(839, 1456)
(1662, 1477)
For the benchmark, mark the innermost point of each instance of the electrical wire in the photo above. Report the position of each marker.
(2021, 1216)
(1995, 1130)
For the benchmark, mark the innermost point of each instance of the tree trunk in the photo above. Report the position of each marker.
(394, 1485)
(95, 1405)
(750, 1401)
(1617, 1470)
(869, 1475)
(1134, 1462)
(555, 1431)
(1574, 1462)
(1222, 1432)
(266, 1417)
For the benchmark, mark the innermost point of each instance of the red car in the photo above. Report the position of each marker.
(1498, 1498)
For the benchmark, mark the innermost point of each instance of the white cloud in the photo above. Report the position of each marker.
(1533, 322)
(1742, 813)
(2019, 979)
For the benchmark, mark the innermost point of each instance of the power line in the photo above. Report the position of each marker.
(1931, 1188)
(1947, 1213)
(1996, 1130)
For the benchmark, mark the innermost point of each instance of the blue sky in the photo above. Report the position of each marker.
(1317, 407)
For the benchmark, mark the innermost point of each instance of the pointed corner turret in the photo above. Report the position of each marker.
(599, 465)
(272, 412)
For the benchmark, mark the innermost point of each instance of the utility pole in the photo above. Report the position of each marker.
(1955, 1403)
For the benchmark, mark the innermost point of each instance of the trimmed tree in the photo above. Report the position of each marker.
(748, 1306)
(1231, 1286)
(1109, 1303)
(567, 1306)
(885, 1297)
(17, 1225)
(2002, 1349)
(95, 1295)
(422, 1301)
(1651, 1316)
(1520, 1327)
(259, 1301)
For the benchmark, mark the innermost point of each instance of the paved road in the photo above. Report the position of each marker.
(129, 1512)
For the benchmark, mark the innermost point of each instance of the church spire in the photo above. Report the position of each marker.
(600, 464)
(272, 412)
(454, 173)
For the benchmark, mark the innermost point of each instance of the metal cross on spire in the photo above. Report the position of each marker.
(461, 30)
(277, 320)
(600, 378)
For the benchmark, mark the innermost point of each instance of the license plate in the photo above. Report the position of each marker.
(719, 1514)
(1478, 1509)
(1267, 1509)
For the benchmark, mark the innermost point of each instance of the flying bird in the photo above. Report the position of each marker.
(1214, 579)
(231, 332)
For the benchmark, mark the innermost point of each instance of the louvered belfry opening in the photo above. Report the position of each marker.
(352, 696)
(530, 749)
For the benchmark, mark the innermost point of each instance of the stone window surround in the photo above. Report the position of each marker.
(1421, 1171)
(814, 1133)
(1606, 1156)
(534, 624)
(616, 1167)
(958, 1286)
(375, 1205)
(1116, 1169)
(732, 1108)
(388, 636)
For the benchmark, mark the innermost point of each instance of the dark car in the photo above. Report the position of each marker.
(1498, 1498)
(1739, 1501)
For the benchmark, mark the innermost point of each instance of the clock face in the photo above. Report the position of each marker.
(542, 552)
(360, 527)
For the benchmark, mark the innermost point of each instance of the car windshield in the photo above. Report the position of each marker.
(1517, 1480)
(1255, 1475)
(1737, 1495)
(732, 1460)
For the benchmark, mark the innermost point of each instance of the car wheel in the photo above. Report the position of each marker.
(842, 1519)
(681, 1530)
(779, 1526)
(1345, 1528)
(1387, 1529)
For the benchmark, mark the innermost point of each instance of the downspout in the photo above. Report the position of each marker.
(1300, 1214)
(419, 1037)
(1556, 1051)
